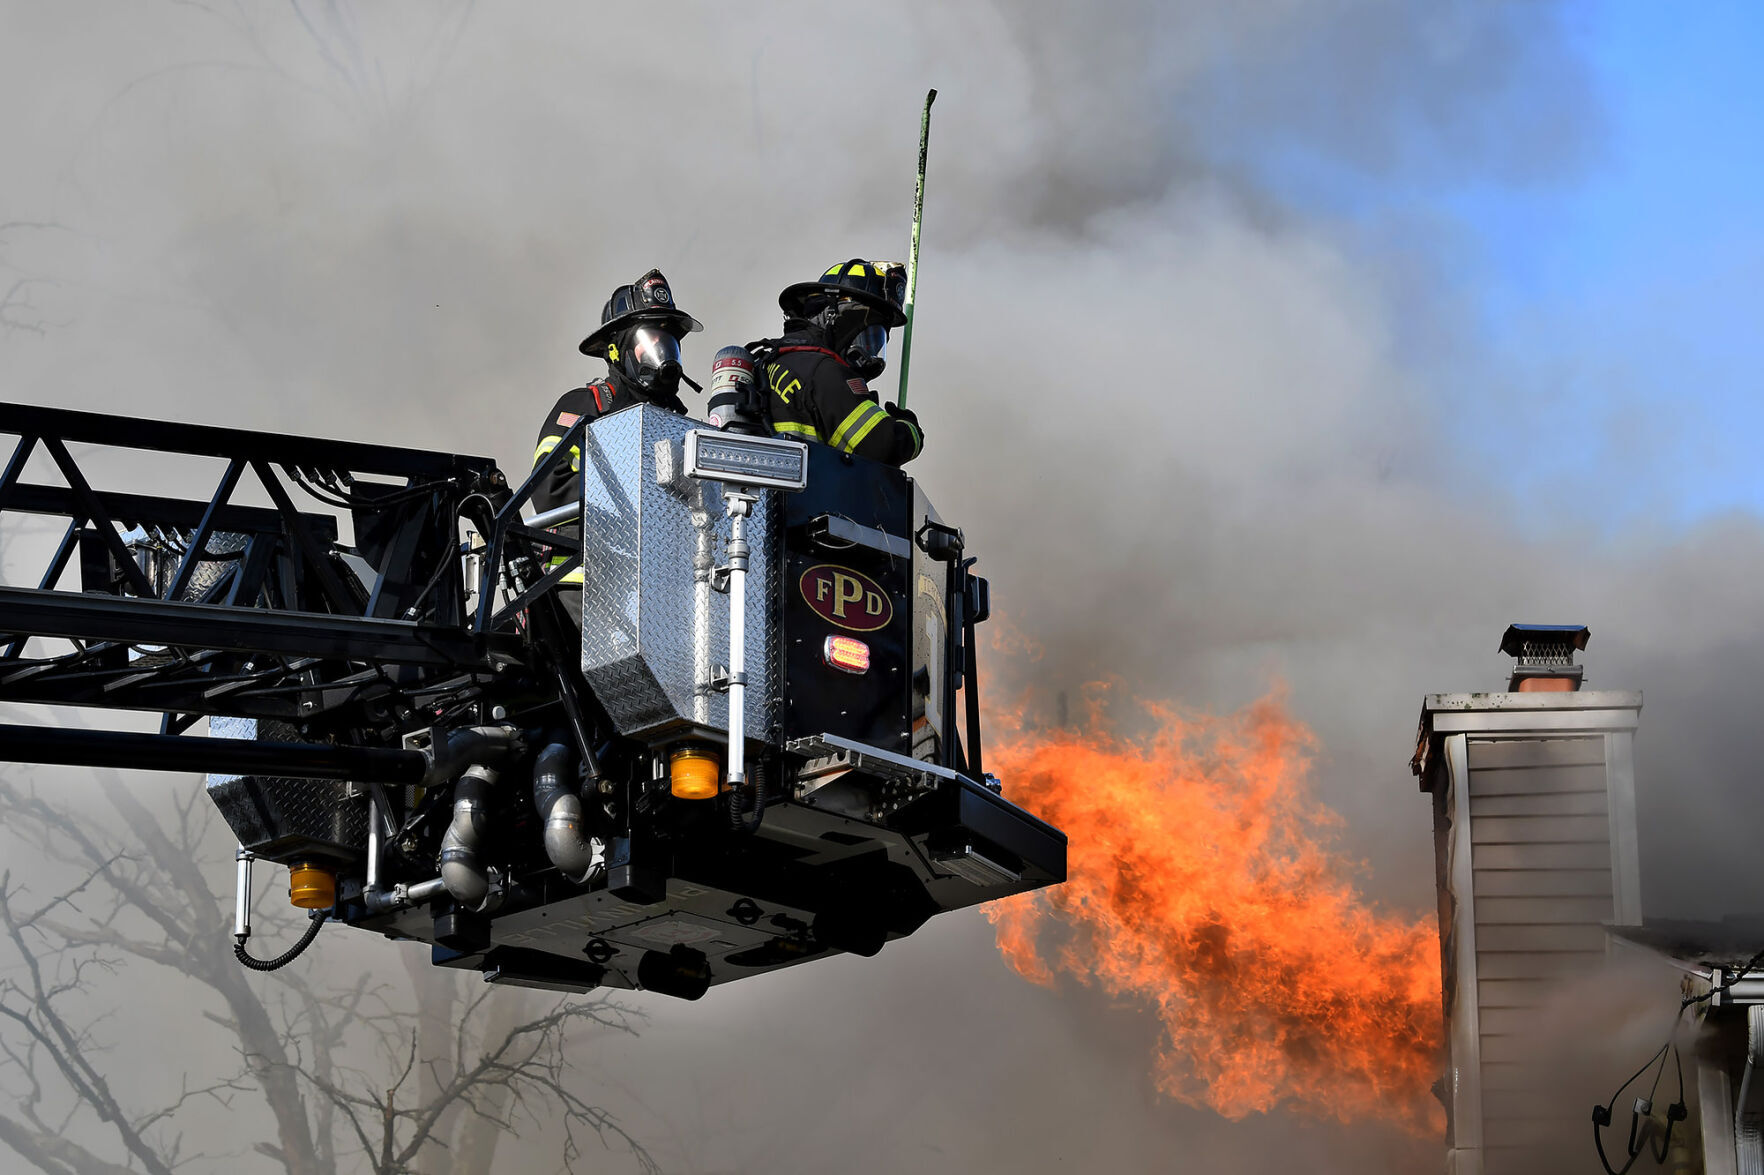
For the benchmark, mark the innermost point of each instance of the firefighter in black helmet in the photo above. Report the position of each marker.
(639, 337)
(813, 379)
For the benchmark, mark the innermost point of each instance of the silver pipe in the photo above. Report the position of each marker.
(556, 801)
(400, 896)
(462, 871)
(373, 845)
(464, 750)
(466, 746)
(703, 570)
(423, 891)
(568, 512)
(739, 506)
(242, 893)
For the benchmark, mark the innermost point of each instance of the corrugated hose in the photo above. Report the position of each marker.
(282, 960)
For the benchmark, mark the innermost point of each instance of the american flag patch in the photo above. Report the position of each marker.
(568, 418)
(858, 387)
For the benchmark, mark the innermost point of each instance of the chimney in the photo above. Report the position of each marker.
(1544, 656)
(1536, 854)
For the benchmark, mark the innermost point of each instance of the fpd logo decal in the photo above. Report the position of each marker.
(846, 598)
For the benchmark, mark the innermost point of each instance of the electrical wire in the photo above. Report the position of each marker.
(1676, 1112)
(1601, 1115)
(460, 552)
(334, 495)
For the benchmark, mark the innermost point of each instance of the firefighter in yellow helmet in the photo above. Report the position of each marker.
(814, 378)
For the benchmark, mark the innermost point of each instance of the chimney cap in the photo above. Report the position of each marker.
(1519, 635)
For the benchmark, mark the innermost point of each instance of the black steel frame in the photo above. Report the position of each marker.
(287, 630)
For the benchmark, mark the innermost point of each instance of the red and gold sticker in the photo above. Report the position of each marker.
(846, 598)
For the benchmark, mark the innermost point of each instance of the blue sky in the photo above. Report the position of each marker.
(1637, 288)
(1612, 311)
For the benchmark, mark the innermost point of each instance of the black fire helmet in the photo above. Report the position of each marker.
(648, 300)
(876, 287)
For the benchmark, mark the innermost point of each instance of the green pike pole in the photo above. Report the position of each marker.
(906, 336)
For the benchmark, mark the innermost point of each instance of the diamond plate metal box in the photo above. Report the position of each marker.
(282, 818)
(654, 630)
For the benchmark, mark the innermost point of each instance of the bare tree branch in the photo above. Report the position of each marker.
(447, 1065)
(44, 1023)
(522, 1069)
(51, 1152)
(179, 904)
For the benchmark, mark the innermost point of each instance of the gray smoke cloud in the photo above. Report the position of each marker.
(1201, 433)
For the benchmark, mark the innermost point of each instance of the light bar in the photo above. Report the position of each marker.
(977, 868)
(846, 653)
(768, 462)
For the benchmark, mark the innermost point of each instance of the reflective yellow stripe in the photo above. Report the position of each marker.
(556, 561)
(801, 430)
(545, 447)
(855, 417)
(550, 443)
(857, 438)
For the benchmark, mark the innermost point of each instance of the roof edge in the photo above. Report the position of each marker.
(1609, 699)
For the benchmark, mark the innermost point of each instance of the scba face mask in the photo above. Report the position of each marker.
(866, 353)
(651, 358)
(856, 335)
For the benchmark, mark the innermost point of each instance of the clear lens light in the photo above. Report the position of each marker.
(762, 461)
(846, 653)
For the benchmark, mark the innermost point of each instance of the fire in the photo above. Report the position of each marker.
(1203, 883)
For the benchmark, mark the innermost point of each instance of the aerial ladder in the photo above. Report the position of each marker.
(759, 744)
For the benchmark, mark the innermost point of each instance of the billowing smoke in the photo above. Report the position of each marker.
(1203, 429)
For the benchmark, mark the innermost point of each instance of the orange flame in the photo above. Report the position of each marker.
(1202, 882)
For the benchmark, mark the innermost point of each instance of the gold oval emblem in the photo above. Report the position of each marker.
(848, 599)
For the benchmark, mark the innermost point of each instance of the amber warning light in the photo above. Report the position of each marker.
(847, 653)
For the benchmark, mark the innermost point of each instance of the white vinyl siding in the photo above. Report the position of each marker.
(1541, 877)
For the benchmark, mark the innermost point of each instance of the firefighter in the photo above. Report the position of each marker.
(639, 337)
(813, 379)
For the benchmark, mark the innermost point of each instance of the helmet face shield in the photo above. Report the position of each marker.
(861, 338)
(652, 349)
(872, 342)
